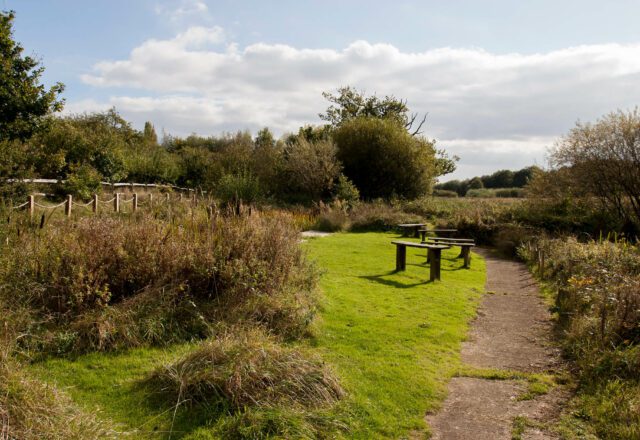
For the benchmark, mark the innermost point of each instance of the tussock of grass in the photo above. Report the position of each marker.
(247, 370)
(32, 410)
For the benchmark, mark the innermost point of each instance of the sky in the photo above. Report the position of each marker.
(499, 80)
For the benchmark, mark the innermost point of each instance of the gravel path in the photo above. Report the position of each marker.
(511, 332)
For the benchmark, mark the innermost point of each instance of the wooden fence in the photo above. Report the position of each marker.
(115, 203)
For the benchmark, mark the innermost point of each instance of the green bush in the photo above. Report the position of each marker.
(444, 193)
(383, 159)
(82, 182)
(242, 187)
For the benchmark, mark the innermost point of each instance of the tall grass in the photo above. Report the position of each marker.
(104, 282)
(597, 286)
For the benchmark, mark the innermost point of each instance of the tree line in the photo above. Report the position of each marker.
(501, 179)
(369, 147)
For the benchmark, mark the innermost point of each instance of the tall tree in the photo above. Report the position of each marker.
(23, 100)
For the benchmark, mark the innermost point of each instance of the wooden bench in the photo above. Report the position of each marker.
(465, 245)
(446, 232)
(434, 256)
(408, 228)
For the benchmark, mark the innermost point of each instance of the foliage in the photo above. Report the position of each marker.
(23, 100)
(383, 160)
(309, 170)
(235, 188)
(596, 287)
(346, 191)
(82, 182)
(350, 103)
(501, 179)
(603, 160)
(98, 140)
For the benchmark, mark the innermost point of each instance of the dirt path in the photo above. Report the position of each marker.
(512, 332)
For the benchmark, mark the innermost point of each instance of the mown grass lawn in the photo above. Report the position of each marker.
(393, 338)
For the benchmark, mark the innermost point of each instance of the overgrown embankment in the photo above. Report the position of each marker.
(107, 284)
(596, 290)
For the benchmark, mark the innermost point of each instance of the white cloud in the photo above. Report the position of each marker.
(512, 104)
(177, 11)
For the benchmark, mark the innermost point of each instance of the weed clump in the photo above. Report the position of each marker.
(247, 369)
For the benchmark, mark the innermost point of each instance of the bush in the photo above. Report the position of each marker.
(383, 159)
(444, 193)
(82, 181)
(597, 286)
(509, 192)
(234, 188)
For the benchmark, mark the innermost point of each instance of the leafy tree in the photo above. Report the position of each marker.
(309, 169)
(350, 103)
(522, 177)
(383, 159)
(149, 134)
(604, 159)
(265, 139)
(475, 183)
(499, 179)
(23, 100)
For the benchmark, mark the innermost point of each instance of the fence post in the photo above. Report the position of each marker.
(32, 206)
(67, 206)
(116, 202)
(167, 196)
(150, 200)
(95, 204)
(135, 202)
(180, 197)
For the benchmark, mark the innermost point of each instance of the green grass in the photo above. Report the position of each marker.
(393, 338)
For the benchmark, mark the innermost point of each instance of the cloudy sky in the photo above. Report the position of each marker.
(499, 79)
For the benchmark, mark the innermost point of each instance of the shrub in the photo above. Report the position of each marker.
(444, 193)
(246, 369)
(242, 187)
(509, 192)
(82, 181)
(346, 191)
(383, 159)
(309, 170)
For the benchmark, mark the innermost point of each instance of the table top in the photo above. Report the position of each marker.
(410, 224)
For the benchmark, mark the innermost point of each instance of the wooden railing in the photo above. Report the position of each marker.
(96, 204)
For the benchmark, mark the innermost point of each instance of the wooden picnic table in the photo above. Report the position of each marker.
(465, 245)
(409, 227)
(434, 258)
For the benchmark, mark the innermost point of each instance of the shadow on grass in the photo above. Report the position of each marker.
(381, 280)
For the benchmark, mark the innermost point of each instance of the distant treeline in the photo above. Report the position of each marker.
(502, 183)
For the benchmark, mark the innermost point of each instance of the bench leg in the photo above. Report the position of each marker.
(466, 254)
(434, 268)
(423, 236)
(401, 257)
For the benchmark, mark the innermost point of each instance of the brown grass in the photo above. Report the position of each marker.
(247, 369)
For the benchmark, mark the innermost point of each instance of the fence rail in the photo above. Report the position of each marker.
(95, 204)
(108, 184)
